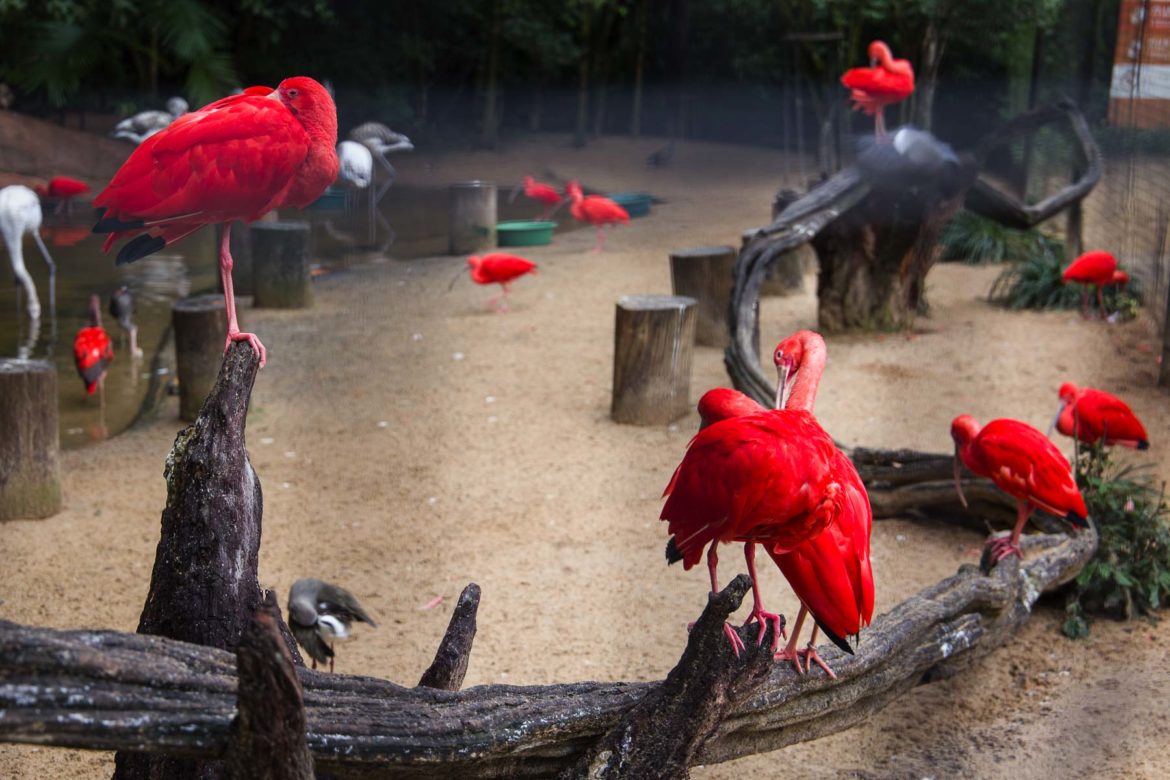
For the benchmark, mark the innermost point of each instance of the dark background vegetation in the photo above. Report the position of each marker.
(756, 71)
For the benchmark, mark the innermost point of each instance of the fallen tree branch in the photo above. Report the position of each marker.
(110, 690)
(446, 672)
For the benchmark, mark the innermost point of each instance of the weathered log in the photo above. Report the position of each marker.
(653, 348)
(268, 735)
(200, 324)
(705, 274)
(204, 588)
(472, 217)
(280, 265)
(446, 672)
(110, 690)
(30, 471)
(661, 735)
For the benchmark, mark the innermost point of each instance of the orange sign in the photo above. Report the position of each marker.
(1139, 93)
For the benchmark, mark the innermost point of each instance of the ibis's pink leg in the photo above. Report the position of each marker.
(1001, 546)
(1085, 302)
(728, 631)
(758, 613)
(790, 653)
(810, 655)
(1101, 300)
(229, 297)
(599, 244)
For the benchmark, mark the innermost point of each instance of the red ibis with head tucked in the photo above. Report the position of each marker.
(499, 268)
(887, 81)
(1090, 415)
(92, 351)
(237, 158)
(596, 210)
(1096, 268)
(1023, 463)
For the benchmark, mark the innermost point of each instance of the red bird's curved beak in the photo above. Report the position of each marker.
(958, 482)
(782, 386)
(1055, 418)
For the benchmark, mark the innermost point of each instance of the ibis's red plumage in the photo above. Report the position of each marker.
(498, 268)
(92, 354)
(63, 187)
(540, 191)
(1092, 415)
(1095, 267)
(889, 81)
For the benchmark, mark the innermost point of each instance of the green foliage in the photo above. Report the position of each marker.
(1130, 573)
(976, 240)
(1034, 282)
(1133, 140)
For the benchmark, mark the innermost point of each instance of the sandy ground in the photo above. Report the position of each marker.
(410, 441)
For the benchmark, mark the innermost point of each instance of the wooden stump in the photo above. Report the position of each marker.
(200, 324)
(280, 265)
(654, 338)
(30, 473)
(473, 217)
(706, 273)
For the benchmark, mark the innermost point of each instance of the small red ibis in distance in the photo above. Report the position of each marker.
(1096, 268)
(498, 268)
(282, 147)
(64, 189)
(1090, 415)
(887, 81)
(539, 191)
(92, 351)
(596, 210)
(1023, 463)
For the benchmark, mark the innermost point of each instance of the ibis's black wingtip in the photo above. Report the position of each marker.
(1077, 520)
(835, 639)
(1143, 445)
(140, 248)
(115, 225)
(673, 555)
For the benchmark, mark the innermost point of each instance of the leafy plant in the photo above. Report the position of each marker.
(1130, 573)
(1034, 281)
(970, 238)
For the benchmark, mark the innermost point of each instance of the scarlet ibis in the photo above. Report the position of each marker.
(20, 213)
(320, 614)
(596, 210)
(499, 268)
(281, 147)
(885, 82)
(1096, 268)
(64, 189)
(830, 573)
(766, 477)
(539, 191)
(92, 351)
(144, 124)
(1023, 463)
(1090, 415)
(122, 309)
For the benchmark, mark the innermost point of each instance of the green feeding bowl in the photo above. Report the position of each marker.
(333, 199)
(636, 204)
(524, 233)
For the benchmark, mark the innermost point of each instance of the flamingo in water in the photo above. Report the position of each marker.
(1096, 268)
(1090, 415)
(596, 210)
(775, 477)
(281, 143)
(1023, 463)
(92, 351)
(887, 81)
(20, 213)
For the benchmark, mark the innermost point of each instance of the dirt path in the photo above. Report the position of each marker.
(410, 441)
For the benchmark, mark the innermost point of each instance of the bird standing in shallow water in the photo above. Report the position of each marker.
(92, 351)
(1090, 415)
(320, 614)
(20, 213)
(281, 147)
(1023, 463)
(595, 210)
(64, 189)
(1096, 268)
(122, 310)
(885, 82)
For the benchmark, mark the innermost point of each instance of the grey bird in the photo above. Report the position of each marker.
(320, 614)
(144, 124)
(661, 157)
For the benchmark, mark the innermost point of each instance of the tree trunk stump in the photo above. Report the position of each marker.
(706, 273)
(30, 472)
(200, 324)
(654, 339)
(280, 265)
(473, 217)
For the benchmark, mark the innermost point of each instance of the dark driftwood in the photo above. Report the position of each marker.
(875, 242)
(268, 739)
(110, 690)
(204, 588)
(662, 734)
(446, 672)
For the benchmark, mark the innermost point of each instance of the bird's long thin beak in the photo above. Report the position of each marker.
(782, 387)
(557, 208)
(456, 278)
(958, 482)
(1055, 419)
(515, 192)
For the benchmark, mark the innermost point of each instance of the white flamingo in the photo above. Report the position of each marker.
(357, 164)
(20, 213)
(144, 124)
(381, 140)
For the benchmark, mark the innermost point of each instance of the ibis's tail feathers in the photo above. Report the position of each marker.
(839, 641)
(673, 554)
(139, 248)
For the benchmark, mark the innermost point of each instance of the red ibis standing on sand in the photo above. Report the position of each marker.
(1090, 415)
(885, 82)
(1097, 268)
(237, 158)
(596, 210)
(776, 478)
(499, 268)
(1023, 463)
(92, 351)
(539, 191)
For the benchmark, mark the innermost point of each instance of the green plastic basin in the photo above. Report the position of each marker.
(524, 233)
(636, 204)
